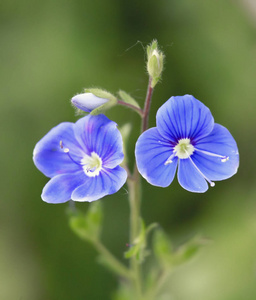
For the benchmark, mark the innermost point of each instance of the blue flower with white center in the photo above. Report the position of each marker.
(186, 137)
(82, 159)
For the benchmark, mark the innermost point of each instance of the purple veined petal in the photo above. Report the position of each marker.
(99, 134)
(151, 152)
(108, 182)
(50, 158)
(219, 142)
(189, 177)
(60, 187)
(184, 117)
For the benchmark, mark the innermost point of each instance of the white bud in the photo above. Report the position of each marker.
(88, 101)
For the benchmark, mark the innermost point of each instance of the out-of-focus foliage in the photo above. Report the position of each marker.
(50, 51)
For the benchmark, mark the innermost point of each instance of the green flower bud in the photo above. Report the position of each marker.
(155, 62)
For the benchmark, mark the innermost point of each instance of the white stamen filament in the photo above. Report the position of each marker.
(169, 160)
(184, 149)
(212, 184)
(222, 157)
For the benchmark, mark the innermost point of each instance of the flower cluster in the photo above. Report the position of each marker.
(82, 159)
(186, 137)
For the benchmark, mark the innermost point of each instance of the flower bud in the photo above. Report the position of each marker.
(155, 62)
(94, 101)
(87, 101)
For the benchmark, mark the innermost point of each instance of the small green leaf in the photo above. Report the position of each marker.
(87, 226)
(162, 248)
(127, 98)
(139, 245)
(188, 250)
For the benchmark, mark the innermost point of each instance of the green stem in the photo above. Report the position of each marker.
(134, 200)
(134, 185)
(147, 106)
(115, 264)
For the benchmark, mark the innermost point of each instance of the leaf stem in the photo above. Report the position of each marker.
(135, 108)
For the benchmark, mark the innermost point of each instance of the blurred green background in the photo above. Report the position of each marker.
(51, 50)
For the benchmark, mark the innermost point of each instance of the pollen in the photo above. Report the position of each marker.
(184, 148)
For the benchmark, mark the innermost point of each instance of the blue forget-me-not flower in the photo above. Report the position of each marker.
(82, 159)
(186, 137)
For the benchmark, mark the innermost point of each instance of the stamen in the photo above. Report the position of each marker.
(223, 158)
(169, 160)
(66, 150)
(212, 184)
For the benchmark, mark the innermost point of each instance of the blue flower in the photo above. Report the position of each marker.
(82, 159)
(186, 137)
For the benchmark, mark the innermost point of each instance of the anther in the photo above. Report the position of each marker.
(66, 150)
(169, 160)
(225, 158)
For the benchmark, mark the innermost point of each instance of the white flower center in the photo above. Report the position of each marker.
(92, 164)
(184, 149)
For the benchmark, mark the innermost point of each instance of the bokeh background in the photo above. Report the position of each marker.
(51, 50)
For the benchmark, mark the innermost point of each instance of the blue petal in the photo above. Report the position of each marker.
(184, 117)
(220, 142)
(189, 177)
(109, 181)
(48, 156)
(99, 134)
(60, 187)
(152, 151)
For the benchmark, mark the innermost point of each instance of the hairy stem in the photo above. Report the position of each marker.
(147, 106)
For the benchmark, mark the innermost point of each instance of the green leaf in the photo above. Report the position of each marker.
(188, 250)
(162, 248)
(138, 247)
(87, 226)
(127, 98)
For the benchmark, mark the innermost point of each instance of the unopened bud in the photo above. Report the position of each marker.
(87, 101)
(94, 101)
(155, 62)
